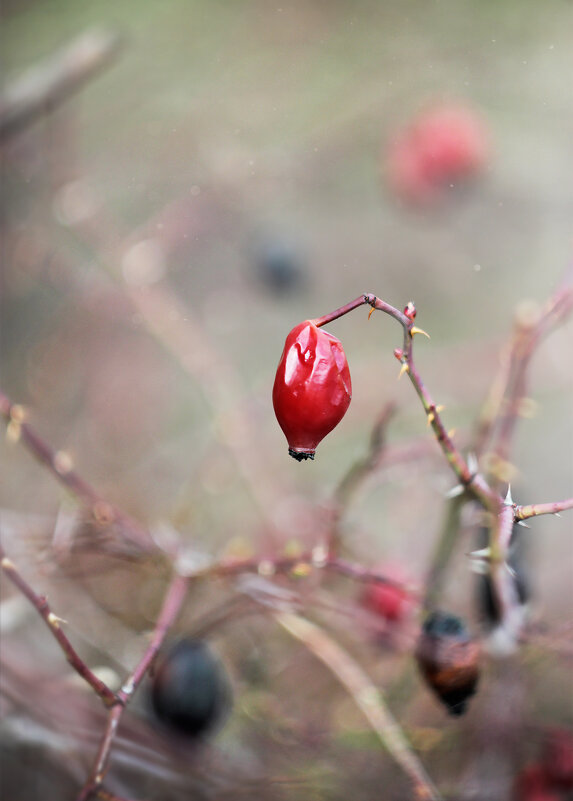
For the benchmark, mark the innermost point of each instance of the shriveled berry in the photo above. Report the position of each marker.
(312, 388)
(448, 659)
(190, 692)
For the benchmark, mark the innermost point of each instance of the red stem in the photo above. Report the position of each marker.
(348, 307)
(53, 623)
(103, 512)
(171, 606)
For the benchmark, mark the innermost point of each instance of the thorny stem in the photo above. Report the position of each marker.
(171, 606)
(503, 586)
(60, 465)
(475, 483)
(53, 622)
(533, 510)
(302, 565)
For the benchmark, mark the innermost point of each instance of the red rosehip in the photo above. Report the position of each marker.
(558, 758)
(439, 146)
(389, 601)
(531, 785)
(312, 388)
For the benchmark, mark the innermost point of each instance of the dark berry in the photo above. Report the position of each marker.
(190, 692)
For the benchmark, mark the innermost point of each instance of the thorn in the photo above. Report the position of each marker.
(523, 523)
(452, 433)
(482, 554)
(557, 514)
(371, 312)
(431, 418)
(18, 413)
(266, 568)
(508, 499)
(319, 555)
(440, 408)
(63, 463)
(473, 465)
(404, 369)
(55, 621)
(13, 431)
(415, 330)
(455, 492)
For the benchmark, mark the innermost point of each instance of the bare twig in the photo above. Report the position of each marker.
(503, 406)
(171, 606)
(358, 473)
(47, 85)
(443, 551)
(53, 623)
(367, 696)
(60, 465)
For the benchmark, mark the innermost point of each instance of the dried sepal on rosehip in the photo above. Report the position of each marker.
(448, 658)
(190, 691)
(312, 388)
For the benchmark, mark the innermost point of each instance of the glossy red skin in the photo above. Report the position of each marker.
(312, 388)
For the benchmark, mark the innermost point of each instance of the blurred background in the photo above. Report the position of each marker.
(221, 172)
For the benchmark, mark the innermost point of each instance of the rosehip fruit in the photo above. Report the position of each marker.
(448, 659)
(532, 785)
(440, 146)
(558, 758)
(387, 600)
(190, 692)
(312, 388)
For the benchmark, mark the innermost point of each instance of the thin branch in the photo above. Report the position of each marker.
(475, 483)
(171, 606)
(53, 623)
(47, 85)
(302, 564)
(361, 300)
(60, 465)
(357, 474)
(443, 551)
(533, 510)
(502, 408)
(367, 696)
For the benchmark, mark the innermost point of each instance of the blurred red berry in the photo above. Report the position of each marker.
(389, 601)
(558, 758)
(312, 388)
(532, 785)
(440, 146)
